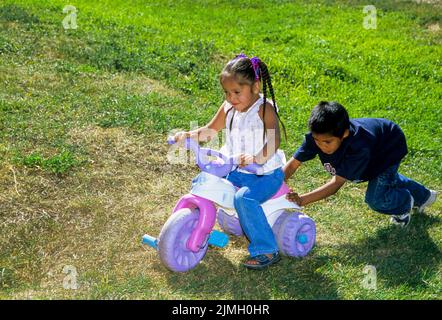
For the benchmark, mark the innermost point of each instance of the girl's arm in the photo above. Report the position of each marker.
(290, 168)
(207, 132)
(272, 134)
(322, 192)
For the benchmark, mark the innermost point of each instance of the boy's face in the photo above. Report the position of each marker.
(327, 142)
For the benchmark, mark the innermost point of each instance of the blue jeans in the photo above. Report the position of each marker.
(391, 192)
(255, 190)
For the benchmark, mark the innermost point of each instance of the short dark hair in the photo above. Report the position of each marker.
(329, 117)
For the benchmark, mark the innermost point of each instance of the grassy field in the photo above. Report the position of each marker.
(84, 114)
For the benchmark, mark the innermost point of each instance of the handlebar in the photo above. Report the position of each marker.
(220, 167)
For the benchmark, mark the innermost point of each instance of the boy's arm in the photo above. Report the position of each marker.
(322, 192)
(290, 168)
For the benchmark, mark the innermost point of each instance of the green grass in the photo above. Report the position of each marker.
(59, 163)
(84, 115)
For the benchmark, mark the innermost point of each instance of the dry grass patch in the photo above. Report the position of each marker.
(94, 218)
(134, 84)
(39, 79)
(434, 27)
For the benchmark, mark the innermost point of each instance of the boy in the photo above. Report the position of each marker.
(360, 150)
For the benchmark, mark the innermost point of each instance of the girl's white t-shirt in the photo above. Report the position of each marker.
(246, 136)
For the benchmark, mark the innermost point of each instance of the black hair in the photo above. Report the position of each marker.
(329, 117)
(242, 70)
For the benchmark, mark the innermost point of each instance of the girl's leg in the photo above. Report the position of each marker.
(235, 178)
(256, 190)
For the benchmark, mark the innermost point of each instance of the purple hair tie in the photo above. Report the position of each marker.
(255, 64)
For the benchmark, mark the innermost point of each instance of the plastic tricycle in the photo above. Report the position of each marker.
(184, 238)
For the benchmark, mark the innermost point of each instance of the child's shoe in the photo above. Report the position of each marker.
(431, 199)
(404, 219)
(262, 261)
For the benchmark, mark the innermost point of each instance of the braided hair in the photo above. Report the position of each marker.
(247, 71)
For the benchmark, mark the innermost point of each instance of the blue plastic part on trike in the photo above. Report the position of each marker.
(218, 239)
(150, 241)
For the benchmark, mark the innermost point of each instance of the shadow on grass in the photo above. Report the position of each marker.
(218, 278)
(402, 256)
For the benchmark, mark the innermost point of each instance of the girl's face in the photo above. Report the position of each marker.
(240, 96)
(327, 142)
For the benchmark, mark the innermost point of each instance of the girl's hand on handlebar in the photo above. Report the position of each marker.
(245, 159)
(181, 136)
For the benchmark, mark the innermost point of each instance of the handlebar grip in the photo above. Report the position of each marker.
(171, 140)
(254, 168)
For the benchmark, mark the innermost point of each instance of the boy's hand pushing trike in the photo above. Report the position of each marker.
(294, 197)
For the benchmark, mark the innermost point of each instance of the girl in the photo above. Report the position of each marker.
(253, 135)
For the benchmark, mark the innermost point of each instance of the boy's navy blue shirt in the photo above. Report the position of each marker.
(372, 146)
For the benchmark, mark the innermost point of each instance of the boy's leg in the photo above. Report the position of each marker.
(418, 191)
(387, 194)
(257, 190)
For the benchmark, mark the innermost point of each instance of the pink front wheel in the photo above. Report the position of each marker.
(172, 242)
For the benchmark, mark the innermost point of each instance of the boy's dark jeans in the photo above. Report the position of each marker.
(391, 192)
